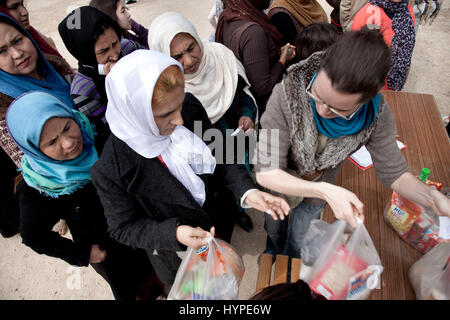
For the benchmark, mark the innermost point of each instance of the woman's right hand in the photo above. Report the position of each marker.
(287, 53)
(108, 66)
(344, 204)
(193, 237)
(97, 255)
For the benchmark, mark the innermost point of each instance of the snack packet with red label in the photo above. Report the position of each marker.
(414, 224)
(345, 269)
(333, 281)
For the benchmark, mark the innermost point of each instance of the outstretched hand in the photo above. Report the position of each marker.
(344, 204)
(265, 202)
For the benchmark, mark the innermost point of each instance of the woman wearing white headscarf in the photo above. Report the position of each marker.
(213, 75)
(212, 72)
(157, 180)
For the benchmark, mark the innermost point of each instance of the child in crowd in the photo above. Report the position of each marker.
(313, 38)
(117, 11)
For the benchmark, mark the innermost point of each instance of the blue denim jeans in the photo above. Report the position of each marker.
(286, 236)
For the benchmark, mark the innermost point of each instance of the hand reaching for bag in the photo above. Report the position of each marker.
(265, 202)
(344, 204)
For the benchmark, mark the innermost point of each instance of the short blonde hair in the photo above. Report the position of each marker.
(169, 79)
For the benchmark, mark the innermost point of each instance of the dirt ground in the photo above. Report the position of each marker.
(25, 274)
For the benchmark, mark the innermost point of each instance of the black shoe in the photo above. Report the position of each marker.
(245, 222)
(129, 1)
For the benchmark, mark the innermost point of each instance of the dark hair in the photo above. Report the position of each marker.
(288, 291)
(108, 7)
(358, 63)
(260, 4)
(315, 37)
(104, 24)
(3, 3)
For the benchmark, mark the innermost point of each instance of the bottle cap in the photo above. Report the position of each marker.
(424, 173)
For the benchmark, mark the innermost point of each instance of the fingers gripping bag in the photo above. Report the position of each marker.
(418, 226)
(347, 267)
(212, 272)
(430, 275)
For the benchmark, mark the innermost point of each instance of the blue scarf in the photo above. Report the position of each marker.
(337, 127)
(16, 85)
(25, 119)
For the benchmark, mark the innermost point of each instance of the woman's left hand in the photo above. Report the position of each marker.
(440, 203)
(268, 203)
(245, 123)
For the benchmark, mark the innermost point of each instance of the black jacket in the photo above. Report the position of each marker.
(83, 213)
(124, 269)
(144, 202)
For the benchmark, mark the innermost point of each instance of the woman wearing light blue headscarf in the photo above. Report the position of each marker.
(52, 177)
(61, 189)
(52, 79)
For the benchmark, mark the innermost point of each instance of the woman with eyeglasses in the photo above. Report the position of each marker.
(325, 109)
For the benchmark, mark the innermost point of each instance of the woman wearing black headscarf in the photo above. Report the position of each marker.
(94, 39)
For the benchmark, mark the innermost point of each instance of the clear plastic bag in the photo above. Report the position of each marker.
(430, 275)
(212, 272)
(417, 226)
(346, 267)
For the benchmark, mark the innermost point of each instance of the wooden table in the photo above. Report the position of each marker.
(420, 127)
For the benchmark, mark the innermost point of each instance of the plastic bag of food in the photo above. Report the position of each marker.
(416, 225)
(347, 268)
(212, 272)
(430, 275)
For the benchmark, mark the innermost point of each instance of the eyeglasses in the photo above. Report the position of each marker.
(320, 102)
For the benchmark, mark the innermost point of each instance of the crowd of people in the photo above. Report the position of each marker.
(112, 149)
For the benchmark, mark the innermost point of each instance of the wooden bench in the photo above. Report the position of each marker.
(280, 271)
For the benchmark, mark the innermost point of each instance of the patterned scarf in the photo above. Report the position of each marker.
(402, 42)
